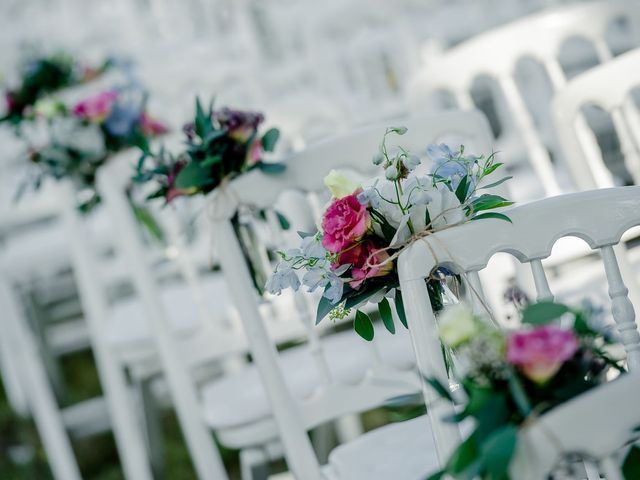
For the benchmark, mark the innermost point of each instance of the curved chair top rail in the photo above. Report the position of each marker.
(354, 151)
(619, 76)
(539, 36)
(573, 426)
(599, 217)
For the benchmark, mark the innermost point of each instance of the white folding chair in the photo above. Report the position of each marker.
(495, 54)
(304, 172)
(599, 217)
(609, 87)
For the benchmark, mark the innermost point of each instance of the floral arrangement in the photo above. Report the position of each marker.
(40, 76)
(364, 227)
(509, 378)
(221, 144)
(74, 142)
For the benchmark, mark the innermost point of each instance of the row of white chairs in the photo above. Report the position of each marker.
(370, 145)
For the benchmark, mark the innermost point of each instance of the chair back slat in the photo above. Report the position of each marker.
(540, 279)
(622, 308)
(458, 68)
(599, 217)
(607, 87)
(305, 172)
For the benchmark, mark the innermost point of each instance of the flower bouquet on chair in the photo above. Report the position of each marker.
(42, 75)
(365, 226)
(74, 142)
(510, 378)
(221, 145)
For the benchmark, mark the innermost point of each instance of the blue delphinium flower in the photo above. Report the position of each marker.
(284, 277)
(122, 120)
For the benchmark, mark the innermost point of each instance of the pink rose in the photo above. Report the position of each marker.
(365, 260)
(344, 222)
(150, 126)
(541, 352)
(96, 108)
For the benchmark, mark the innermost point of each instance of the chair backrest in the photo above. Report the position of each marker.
(608, 87)
(305, 171)
(495, 54)
(599, 217)
(573, 428)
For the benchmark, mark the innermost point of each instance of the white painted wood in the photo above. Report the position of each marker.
(124, 422)
(205, 455)
(457, 68)
(573, 427)
(607, 87)
(540, 279)
(42, 401)
(599, 217)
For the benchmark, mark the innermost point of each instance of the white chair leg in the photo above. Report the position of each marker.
(124, 423)
(11, 374)
(349, 428)
(254, 464)
(42, 402)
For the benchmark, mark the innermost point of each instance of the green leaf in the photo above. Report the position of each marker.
(201, 120)
(461, 191)
(400, 308)
(284, 223)
(499, 182)
(360, 296)
(497, 451)
(363, 326)
(210, 161)
(324, 307)
(496, 215)
(518, 394)
(269, 139)
(149, 222)
(543, 312)
(437, 476)
(492, 168)
(440, 389)
(271, 167)
(631, 465)
(387, 318)
(489, 202)
(463, 457)
(193, 175)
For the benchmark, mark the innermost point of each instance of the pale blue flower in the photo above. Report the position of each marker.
(284, 277)
(391, 173)
(334, 292)
(122, 120)
(440, 151)
(369, 196)
(311, 247)
(411, 162)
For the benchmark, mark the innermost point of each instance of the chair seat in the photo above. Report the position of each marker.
(239, 399)
(129, 327)
(402, 451)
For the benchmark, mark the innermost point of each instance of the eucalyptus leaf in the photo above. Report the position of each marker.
(631, 464)
(363, 326)
(496, 215)
(497, 451)
(271, 167)
(387, 318)
(193, 175)
(461, 190)
(324, 307)
(542, 313)
(400, 308)
(269, 139)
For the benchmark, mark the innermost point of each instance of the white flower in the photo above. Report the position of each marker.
(391, 172)
(445, 208)
(339, 184)
(311, 247)
(284, 277)
(411, 162)
(378, 158)
(457, 325)
(84, 138)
